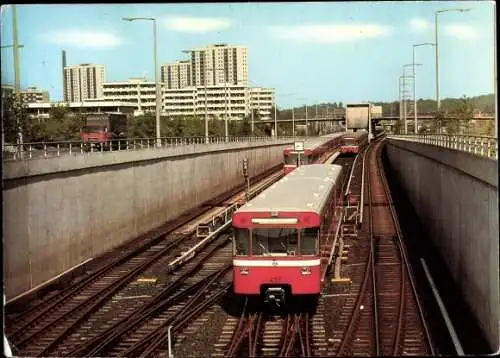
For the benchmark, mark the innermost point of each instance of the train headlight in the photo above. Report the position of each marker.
(243, 270)
(306, 270)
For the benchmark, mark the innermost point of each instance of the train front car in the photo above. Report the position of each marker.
(315, 151)
(354, 142)
(284, 238)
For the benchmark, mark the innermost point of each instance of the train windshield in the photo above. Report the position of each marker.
(349, 141)
(273, 242)
(291, 159)
(92, 129)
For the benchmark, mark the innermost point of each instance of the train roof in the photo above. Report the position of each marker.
(306, 189)
(312, 143)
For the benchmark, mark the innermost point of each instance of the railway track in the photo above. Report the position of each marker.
(386, 317)
(109, 292)
(22, 306)
(264, 332)
(193, 291)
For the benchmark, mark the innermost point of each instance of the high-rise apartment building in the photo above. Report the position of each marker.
(219, 64)
(176, 75)
(83, 82)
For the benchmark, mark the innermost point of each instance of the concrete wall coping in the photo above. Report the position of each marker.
(484, 169)
(43, 166)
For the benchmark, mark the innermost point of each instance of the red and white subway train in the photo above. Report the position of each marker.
(285, 238)
(354, 142)
(316, 150)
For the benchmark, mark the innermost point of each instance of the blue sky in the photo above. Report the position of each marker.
(309, 52)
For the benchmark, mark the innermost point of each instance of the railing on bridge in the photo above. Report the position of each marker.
(28, 151)
(482, 146)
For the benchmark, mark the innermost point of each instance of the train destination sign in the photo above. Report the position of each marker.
(299, 146)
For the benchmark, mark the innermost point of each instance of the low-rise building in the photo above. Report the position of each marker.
(41, 110)
(28, 94)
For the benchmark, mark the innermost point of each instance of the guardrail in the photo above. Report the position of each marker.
(28, 151)
(481, 146)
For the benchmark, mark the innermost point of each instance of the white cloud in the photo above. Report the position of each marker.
(196, 25)
(83, 38)
(461, 32)
(420, 24)
(329, 33)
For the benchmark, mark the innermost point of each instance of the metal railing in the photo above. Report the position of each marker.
(26, 151)
(481, 146)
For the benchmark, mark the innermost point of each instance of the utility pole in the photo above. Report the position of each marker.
(275, 120)
(247, 179)
(307, 124)
(226, 134)
(316, 125)
(17, 74)
(252, 115)
(206, 113)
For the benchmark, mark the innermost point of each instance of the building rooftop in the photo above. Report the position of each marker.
(86, 104)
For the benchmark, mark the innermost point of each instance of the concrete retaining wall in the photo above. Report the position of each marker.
(456, 195)
(59, 212)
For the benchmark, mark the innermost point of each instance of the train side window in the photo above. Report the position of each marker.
(309, 241)
(242, 240)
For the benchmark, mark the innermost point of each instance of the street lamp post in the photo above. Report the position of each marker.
(17, 77)
(438, 103)
(307, 125)
(157, 82)
(415, 86)
(17, 86)
(316, 118)
(401, 80)
(275, 120)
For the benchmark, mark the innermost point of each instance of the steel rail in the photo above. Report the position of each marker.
(81, 311)
(159, 301)
(368, 267)
(406, 267)
(156, 235)
(372, 259)
(346, 193)
(162, 336)
(238, 332)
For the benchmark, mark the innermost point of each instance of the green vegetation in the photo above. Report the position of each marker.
(65, 126)
(462, 108)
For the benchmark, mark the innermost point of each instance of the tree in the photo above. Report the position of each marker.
(144, 126)
(58, 112)
(267, 130)
(246, 127)
(15, 117)
(464, 113)
(437, 123)
(397, 127)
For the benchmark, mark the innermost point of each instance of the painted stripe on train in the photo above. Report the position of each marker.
(276, 263)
